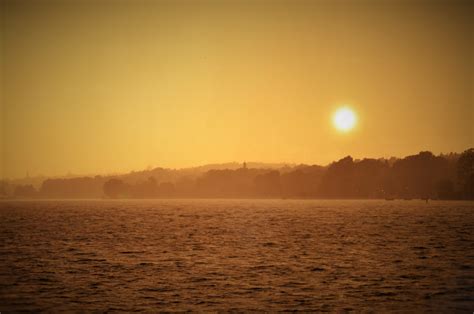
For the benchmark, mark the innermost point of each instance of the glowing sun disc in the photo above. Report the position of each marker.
(344, 119)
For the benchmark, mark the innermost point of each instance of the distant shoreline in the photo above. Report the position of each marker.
(236, 199)
(421, 176)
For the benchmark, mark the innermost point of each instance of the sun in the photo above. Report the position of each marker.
(344, 119)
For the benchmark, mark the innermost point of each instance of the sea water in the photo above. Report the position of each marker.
(210, 255)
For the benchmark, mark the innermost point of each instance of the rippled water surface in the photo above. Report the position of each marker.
(236, 255)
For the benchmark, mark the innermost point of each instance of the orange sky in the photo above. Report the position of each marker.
(111, 86)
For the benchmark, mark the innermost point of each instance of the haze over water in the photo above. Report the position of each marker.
(203, 255)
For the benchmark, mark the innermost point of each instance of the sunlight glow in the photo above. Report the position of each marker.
(344, 119)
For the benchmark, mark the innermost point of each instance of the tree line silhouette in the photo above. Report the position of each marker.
(417, 176)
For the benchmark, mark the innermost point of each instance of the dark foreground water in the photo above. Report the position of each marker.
(206, 255)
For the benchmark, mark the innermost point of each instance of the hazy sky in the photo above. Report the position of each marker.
(98, 87)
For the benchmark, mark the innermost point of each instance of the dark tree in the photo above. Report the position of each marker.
(268, 184)
(82, 187)
(115, 188)
(445, 189)
(25, 191)
(146, 189)
(303, 182)
(465, 173)
(338, 181)
(417, 175)
(166, 189)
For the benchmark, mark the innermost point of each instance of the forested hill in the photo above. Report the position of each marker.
(423, 175)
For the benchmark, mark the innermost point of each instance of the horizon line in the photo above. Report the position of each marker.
(149, 168)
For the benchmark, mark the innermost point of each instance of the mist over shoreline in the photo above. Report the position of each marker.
(424, 175)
